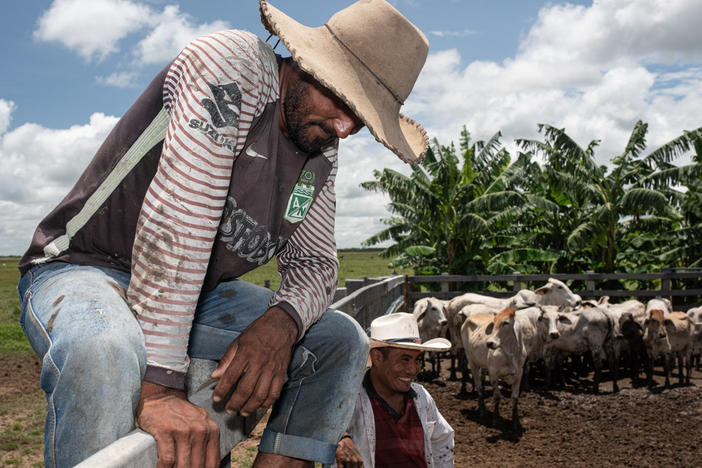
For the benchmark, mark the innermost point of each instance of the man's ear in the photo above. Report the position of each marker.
(376, 355)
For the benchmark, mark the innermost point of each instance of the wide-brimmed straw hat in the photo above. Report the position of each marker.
(369, 55)
(400, 330)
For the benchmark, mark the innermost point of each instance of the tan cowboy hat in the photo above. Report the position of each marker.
(369, 55)
(400, 330)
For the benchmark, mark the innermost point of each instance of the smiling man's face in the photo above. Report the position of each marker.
(395, 369)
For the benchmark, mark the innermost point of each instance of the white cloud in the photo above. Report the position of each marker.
(91, 28)
(119, 79)
(6, 108)
(463, 33)
(94, 28)
(172, 31)
(593, 70)
(358, 210)
(612, 31)
(41, 165)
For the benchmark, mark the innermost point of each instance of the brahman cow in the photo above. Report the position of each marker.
(588, 330)
(431, 320)
(666, 336)
(554, 292)
(518, 337)
(696, 315)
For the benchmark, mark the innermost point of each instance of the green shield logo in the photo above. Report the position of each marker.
(299, 202)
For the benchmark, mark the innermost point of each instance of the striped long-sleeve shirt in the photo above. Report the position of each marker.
(198, 216)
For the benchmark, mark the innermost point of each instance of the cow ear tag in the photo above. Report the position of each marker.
(301, 198)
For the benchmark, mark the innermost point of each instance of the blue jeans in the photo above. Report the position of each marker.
(93, 359)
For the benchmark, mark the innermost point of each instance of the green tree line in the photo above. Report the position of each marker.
(551, 208)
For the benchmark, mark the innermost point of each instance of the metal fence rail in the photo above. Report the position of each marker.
(378, 297)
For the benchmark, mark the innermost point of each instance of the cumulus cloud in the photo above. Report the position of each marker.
(172, 31)
(94, 28)
(358, 210)
(612, 31)
(6, 108)
(41, 165)
(463, 33)
(91, 28)
(119, 79)
(593, 70)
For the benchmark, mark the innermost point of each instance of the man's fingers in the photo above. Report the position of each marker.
(198, 443)
(275, 390)
(183, 450)
(229, 379)
(212, 456)
(225, 361)
(259, 395)
(165, 447)
(243, 391)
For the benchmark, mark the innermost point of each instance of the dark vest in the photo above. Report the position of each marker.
(272, 184)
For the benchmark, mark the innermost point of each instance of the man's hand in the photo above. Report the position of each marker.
(256, 363)
(185, 434)
(347, 455)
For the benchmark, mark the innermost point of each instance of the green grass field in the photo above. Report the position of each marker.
(22, 412)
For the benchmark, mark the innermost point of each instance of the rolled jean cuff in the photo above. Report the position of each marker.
(297, 447)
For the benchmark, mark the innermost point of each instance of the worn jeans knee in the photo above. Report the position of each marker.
(93, 356)
(318, 399)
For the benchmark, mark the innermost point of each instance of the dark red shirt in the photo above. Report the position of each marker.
(399, 437)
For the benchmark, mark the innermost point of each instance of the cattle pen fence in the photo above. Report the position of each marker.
(682, 286)
(367, 298)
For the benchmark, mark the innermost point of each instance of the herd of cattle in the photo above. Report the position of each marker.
(503, 337)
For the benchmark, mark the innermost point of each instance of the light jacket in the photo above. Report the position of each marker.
(438, 434)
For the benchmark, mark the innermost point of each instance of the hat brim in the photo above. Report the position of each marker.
(436, 344)
(316, 52)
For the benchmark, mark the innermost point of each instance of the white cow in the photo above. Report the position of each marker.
(588, 330)
(665, 336)
(432, 323)
(431, 320)
(627, 317)
(659, 304)
(475, 332)
(696, 315)
(554, 292)
(518, 337)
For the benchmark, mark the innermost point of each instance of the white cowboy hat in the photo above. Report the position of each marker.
(400, 330)
(369, 55)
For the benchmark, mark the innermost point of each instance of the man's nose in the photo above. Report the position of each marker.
(345, 125)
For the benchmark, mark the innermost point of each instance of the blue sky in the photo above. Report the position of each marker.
(72, 67)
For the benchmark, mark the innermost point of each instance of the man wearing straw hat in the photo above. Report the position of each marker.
(395, 422)
(226, 160)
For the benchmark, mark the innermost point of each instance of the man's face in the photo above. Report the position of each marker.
(315, 117)
(396, 370)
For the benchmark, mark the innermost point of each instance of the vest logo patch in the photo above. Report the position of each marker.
(301, 198)
(299, 202)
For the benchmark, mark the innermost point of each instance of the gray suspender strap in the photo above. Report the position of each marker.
(154, 133)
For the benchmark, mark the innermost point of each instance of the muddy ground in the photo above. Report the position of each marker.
(571, 426)
(564, 427)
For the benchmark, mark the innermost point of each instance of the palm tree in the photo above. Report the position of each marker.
(443, 210)
(613, 208)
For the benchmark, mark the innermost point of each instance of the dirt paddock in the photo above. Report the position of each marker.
(568, 427)
(571, 426)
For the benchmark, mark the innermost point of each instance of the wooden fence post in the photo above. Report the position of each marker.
(665, 282)
(405, 293)
(590, 283)
(444, 284)
(516, 283)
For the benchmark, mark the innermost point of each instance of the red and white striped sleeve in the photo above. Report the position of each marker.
(308, 263)
(213, 91)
